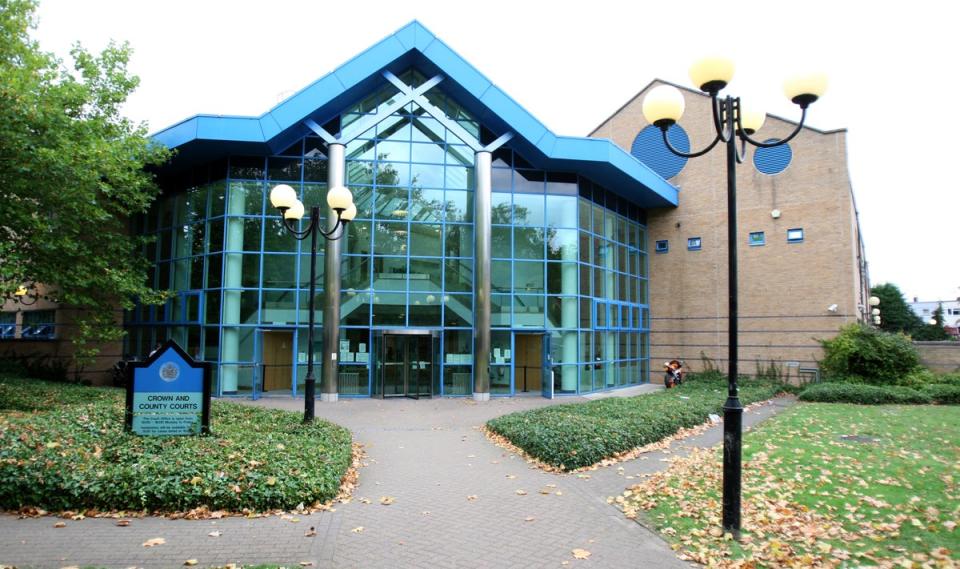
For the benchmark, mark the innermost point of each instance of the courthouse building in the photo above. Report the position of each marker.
(489, 255)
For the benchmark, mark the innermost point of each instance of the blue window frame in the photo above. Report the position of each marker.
(8, 325)
(757, 238)
(663, 246)
(38, 325)
(795, 235)
(694, 243)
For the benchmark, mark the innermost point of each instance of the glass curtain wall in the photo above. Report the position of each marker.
(569, 259)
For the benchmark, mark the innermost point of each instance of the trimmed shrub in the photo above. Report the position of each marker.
(580, 434)
(864, 394)
(918, 378)
(948, 378)
(863, 354)
(63, 447)
(942, 393)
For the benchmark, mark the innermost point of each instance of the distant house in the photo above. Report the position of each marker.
(951, 312)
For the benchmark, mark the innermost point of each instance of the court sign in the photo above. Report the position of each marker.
(168, 394)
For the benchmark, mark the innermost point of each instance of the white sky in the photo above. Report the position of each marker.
(572, 64)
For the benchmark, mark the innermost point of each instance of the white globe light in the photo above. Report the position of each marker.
(932, 322)
(875, 312)
(751, 121)
(711, 73)
(295, 211)
(431, 299)
(663, 104)
(339, 198)
(283, 196)
(874, 301)
(805, 88)
(349, 213)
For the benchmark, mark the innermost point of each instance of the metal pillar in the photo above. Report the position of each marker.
(336, 167)
(481, 276)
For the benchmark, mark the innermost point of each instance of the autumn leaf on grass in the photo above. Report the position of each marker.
(580, 553)
(387, 500)
(154, 541)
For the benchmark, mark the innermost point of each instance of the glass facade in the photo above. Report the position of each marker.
(568, 267)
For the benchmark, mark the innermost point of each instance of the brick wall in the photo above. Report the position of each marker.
(784, 288)
(940, 356)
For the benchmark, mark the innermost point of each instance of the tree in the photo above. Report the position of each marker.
(72, 172)
(933, 332)
(895, 314)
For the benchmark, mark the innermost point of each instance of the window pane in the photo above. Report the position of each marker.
(501, 208)
(426, 205)
(561, 211)
(305, 270)
(354, 273)
(426, 309)
(459, 241)
(425, 275)
(390, 238)
(278, 307)
(458, 310)
(425, 240)
(529, 209)
(459, 205)
(528, 310)
(279, 271)
(500, 242)
(528, 242)
(528, 277)
(500, 273)
(562, 244)
(458, 276)
(355, 308)
(390, 273)
(389, 309)
(277, 238)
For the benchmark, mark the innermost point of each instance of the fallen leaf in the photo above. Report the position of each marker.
(60, 525)
(312, 532)
(386, 500)
(154, 541)
(472, 498)
(529, 519)
(123, 523)
(580, 553)
(215, 533)
(305, 563)
(358, 529)
(190, 562)
(521, 492)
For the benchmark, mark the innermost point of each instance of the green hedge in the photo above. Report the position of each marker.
(64, 448)
(580, 434)
(881, 395)
(943, 394)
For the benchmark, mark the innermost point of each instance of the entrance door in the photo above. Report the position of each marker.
(407, 365)
(277, 360)
(528, 362)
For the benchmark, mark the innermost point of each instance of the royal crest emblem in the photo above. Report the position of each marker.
(169, 372)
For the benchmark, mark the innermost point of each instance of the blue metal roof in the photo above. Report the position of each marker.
(204, 137)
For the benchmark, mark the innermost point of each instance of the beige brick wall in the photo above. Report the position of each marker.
(61, 348)
(785, 288)
(940, 356)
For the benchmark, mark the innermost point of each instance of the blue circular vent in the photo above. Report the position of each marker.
(648, 147)
(772, 160)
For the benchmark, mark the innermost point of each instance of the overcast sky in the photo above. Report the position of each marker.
(572, 64)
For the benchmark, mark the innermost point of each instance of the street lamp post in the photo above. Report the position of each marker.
(663, 106)
(284, 198)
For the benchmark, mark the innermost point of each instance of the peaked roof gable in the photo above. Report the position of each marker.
(203, 137)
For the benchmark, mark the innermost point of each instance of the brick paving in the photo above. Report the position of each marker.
(456, 504)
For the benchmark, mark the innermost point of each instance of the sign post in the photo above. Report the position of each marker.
(168, 394)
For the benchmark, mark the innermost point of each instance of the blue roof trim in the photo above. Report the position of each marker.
(597, 158)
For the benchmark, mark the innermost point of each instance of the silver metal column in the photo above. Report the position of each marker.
(331, 283)
(481, 277)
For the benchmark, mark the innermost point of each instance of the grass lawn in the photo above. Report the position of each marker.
(63, 447)
(581, 434)
(824, 485)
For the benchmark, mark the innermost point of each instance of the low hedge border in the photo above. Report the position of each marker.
(75, 455)
(862, 394)
(577, 435)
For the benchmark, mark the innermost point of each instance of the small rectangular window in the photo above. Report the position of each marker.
(663, 246)
(38, 325)
(693, 244)
(8, 325)
(795, 235)
(757, 238)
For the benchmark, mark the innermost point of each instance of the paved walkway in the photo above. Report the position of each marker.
(455, 504)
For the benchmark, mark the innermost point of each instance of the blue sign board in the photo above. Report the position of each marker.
(168, 394)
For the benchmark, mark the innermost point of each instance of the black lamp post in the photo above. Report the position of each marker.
(284, 198)
(663, 106)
